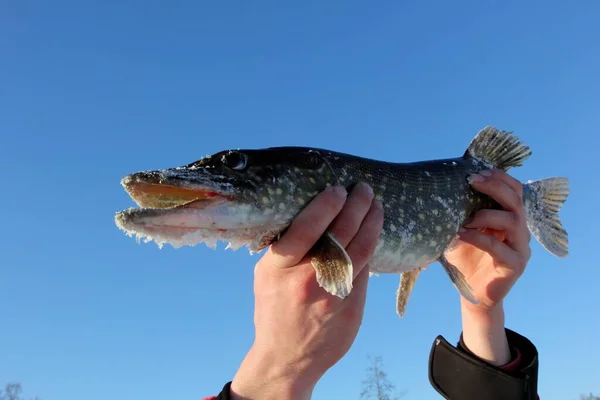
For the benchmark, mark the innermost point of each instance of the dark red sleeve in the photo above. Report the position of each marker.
(224, 395)
(515, 364)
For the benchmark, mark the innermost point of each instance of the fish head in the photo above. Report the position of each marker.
(238, 196)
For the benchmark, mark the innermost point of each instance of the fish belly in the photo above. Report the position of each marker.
(388, 260)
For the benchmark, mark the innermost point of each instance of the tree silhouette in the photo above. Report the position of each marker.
(589, 397)
(377, 385)
(12, 391)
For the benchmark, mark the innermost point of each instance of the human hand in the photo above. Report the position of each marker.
(492, 256)
(495, 248)
(300, 329)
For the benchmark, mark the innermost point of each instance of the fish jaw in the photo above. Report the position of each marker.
(175, 187)
(187, 206)
(204, 221)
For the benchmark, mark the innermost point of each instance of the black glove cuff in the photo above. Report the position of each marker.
(456, 375)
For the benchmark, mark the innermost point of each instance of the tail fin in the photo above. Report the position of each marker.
(543, 200)
(499, 149)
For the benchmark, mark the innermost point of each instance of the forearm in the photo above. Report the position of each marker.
(261, 377)
(484, 334)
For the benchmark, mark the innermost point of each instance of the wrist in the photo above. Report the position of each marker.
(484, 333)
(262, 376)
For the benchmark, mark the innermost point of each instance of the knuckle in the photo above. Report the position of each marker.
(519, 220)
(303, 285)
(332, 203)
(527, 236)
(372, 231)
(513, 199)
(520, 263)
(515, 184)
(343, 231)
(515, 220)
(516, 200)
(495, 243)
(518, 186)
(325, 304)
(304, 235)
(373, 222)
(362, 251)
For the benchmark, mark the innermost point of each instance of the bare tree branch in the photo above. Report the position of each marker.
(589, 397)
(377, 385)
(12, 391)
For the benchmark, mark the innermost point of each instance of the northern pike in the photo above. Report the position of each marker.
(250, 196)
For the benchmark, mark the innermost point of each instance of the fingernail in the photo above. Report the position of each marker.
(476, 178)
(367, 187)
(340, 191)
(461, 230)
(378, 204)
(486, 173)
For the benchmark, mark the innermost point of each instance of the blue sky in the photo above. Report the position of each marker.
(94, 90)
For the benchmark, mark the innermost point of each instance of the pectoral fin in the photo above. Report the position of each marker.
(458, 279)
(407, 281)
(333, 266)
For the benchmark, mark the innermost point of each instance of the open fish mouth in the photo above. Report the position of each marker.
(161, 190)
(172, 206)
(182, 210)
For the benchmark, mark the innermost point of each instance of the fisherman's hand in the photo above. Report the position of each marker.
(301, 330)
(493, 260)
(493, 255)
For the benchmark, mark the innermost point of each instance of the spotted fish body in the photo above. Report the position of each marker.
(425, 203)
(248, 197)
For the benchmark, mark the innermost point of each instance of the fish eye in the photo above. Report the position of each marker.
(235, 160)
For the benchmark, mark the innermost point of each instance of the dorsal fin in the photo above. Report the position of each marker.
(500, 149)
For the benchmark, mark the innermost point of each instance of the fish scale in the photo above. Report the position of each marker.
(250, 196)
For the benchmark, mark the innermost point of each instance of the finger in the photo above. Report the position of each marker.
(499, 191)
(504, 222)
(514, 184)
(307, 228)
(362, 247)
(348, 221)
(355, 302)
(503, 255)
